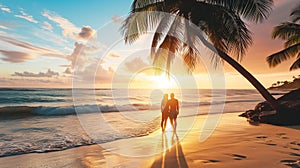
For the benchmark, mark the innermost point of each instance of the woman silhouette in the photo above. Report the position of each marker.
(164, 112)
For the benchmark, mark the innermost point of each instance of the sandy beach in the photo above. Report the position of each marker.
(234, 143)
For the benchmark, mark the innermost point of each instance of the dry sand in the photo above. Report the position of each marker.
(234, 143)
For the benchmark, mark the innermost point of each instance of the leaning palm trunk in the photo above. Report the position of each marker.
(255, 83)
(260, 88)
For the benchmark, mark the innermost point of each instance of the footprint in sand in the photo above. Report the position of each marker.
(270, 143)
(282, 135)
(294, 148)
(262, 137)
(295, 143)
(238, 157)
(210, 161)
(207, 161)
(291, 163)
(294, 154)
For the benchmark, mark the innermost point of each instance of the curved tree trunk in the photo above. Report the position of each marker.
(259, 87)
(262, 90)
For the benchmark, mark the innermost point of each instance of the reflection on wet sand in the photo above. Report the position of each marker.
(172, 155)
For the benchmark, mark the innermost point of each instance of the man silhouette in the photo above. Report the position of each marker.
(174, 111)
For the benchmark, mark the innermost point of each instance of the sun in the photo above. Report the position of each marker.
(149, 79)
(163, 82)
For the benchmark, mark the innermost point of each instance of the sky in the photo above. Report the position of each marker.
(64, 44)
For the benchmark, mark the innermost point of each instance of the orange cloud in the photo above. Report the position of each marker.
(48, 74)
(68, 28)
(86, 32)
(27, 17)
(15, 56)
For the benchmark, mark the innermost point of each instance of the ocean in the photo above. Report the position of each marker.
(45, 120)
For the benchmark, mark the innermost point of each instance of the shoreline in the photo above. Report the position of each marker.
(233, 143)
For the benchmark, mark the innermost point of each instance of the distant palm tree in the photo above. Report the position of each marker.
(220, 20)
(290, 32)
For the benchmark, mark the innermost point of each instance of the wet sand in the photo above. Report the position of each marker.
(234, 143)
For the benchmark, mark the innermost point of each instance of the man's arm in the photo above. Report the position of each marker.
(177, 105)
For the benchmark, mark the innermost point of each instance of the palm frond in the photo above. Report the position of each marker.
(295, 14)
(189, 51)
(161, 29)
(286, 30)
(287, 53)
(252, 10)
(239, 37)
(139, 5)
(190, 58)
(169, 46)
(296, 64)
(140, 21)
(227, 30)
(292, 41)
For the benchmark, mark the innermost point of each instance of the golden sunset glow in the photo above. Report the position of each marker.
(162, 82)
(149, 78)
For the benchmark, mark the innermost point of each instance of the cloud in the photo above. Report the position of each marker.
(113, 55)
(68, 71)
(80, 55)
(34, 82)
(117, 19)
(4, 27)
(49, 36)
(34, 49)
(3, 33)
(135, 64)
(69, 29)
(48, 74)
(5, 9)
(25, 45)
(47, 26)
(86, 32)
(15, 56)
(65, 66)
(30, 52)
(94, 72)
(25, 16)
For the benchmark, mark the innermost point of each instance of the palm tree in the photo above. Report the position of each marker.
(290, 32)
(220, 20)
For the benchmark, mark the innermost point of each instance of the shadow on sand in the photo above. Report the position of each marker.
(173, 155)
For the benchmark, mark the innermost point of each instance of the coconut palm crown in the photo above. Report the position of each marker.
(290, 32)
(219, 19)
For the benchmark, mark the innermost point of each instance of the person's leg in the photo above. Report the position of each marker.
(175, 123)
(172, 123)
(162, 121)
(165, 122)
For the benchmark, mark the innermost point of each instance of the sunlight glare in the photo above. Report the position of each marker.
(169, 126)
(163, 82)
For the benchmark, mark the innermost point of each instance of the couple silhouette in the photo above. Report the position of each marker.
(169, 109)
